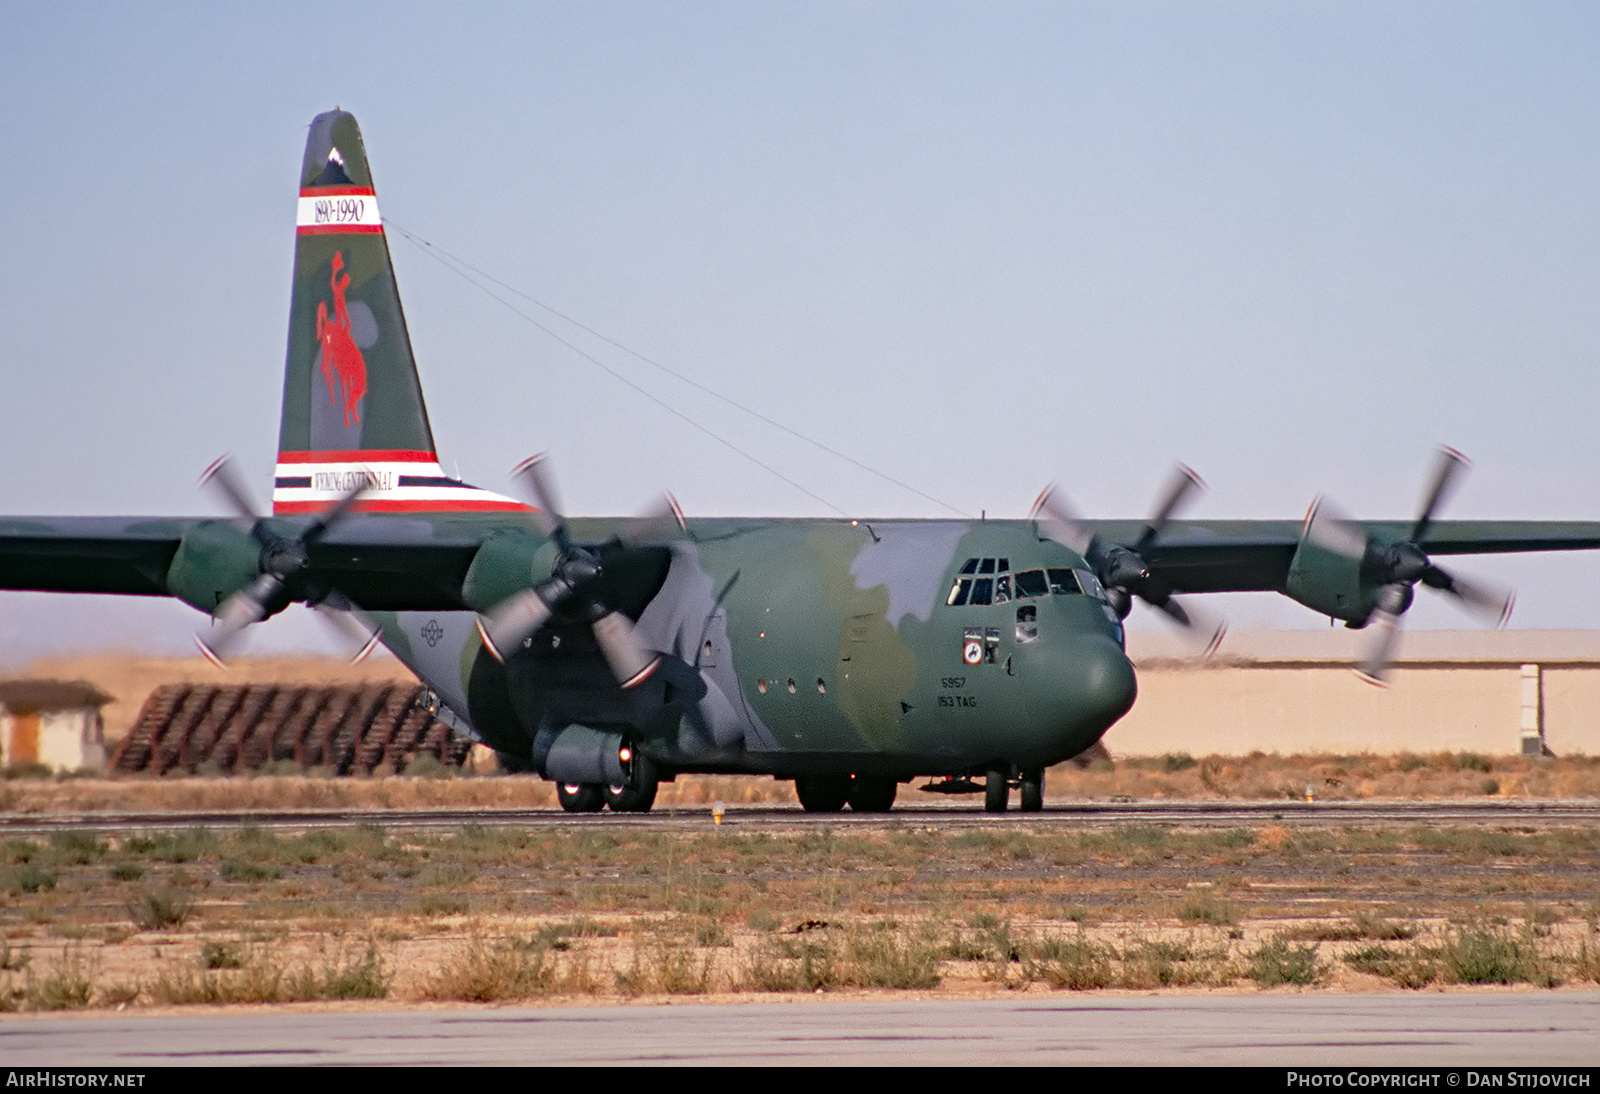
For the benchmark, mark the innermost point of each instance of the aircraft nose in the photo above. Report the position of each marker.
(1095, 685)
(1106, 678)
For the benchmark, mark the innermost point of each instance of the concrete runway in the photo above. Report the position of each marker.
(1096, 814)
(1447, 1030)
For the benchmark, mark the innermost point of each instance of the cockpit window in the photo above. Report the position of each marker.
(1031, 583)
(1091, 584)
(1004, 587)
(1063, 583)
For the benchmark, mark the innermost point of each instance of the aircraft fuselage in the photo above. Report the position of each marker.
(801, 646)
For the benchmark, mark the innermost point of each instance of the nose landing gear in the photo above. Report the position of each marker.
(997, 784)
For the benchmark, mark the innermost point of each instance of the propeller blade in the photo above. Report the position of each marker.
(1385, 629)
(247, 606)
(1447, 473)
(352, 624)
(631, 663)
(1334, 532)
(334, 514)
(224, 479)
(1184, 483)
(1060, 521)
(662, 522)
(512, 621)
(1197, 622)
(1481, 597)
(534, 477)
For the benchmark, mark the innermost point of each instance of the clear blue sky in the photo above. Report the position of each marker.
(976, 246)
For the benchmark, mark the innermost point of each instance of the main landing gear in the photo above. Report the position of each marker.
(830, 793)
(593, 797)
(997, 790)
(636, 793)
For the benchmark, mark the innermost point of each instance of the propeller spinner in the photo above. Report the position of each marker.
(1123, 570)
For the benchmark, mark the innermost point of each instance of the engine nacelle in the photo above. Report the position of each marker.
(578, 754)
(216, 559)
(1334, 583)
(506, 564)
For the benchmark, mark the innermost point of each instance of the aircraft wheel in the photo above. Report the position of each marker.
(632, 799)
(637, 793)
(1032, 790)
(869, 794)
(996, 791)
(822, 793)
(581, 797)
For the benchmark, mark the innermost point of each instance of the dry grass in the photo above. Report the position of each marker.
(1401, 777)
(494, 914)
(1404, 775)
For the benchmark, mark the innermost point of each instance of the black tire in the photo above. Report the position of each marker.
(996, 791)
(581, 797)
(1032, 796)
(872, 794)
(632, 799)
(637, 792)
(822, 793)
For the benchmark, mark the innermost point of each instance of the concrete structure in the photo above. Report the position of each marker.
(1492, 692)
(56, 723)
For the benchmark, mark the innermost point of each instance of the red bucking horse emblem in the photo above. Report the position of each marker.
(343, 368)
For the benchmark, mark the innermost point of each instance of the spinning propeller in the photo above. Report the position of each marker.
(281, 560)
(1123, 570)
(1397, 567)
(572, 586)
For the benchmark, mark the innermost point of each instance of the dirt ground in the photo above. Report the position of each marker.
(501, 914)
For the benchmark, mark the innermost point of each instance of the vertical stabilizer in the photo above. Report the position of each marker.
(352, 403)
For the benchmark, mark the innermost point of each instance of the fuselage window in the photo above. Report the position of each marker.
(1091, 584)
(987, 567)
(971, 567)
(1031, 583)
(959, 591)
(1002, 588)
(982, 591)
(1063, 583)
(1027, 623)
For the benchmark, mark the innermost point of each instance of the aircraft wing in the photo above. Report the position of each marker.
(394, 563)
(1255, 555)
(381, 564)
(89, 554)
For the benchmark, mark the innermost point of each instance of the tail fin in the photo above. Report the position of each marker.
(352, 403)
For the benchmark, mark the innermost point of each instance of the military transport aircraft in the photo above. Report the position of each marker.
(607, 655)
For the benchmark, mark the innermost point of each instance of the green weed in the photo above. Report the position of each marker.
(1076, 964)
(492, 972)
(1278, 961)
(160, 909)
(1205, 907)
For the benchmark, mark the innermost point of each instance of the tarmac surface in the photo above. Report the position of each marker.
(1450, 1031)
(1193, 813)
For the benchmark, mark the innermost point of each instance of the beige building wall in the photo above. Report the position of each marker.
(1290, 692)
(72, 740)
